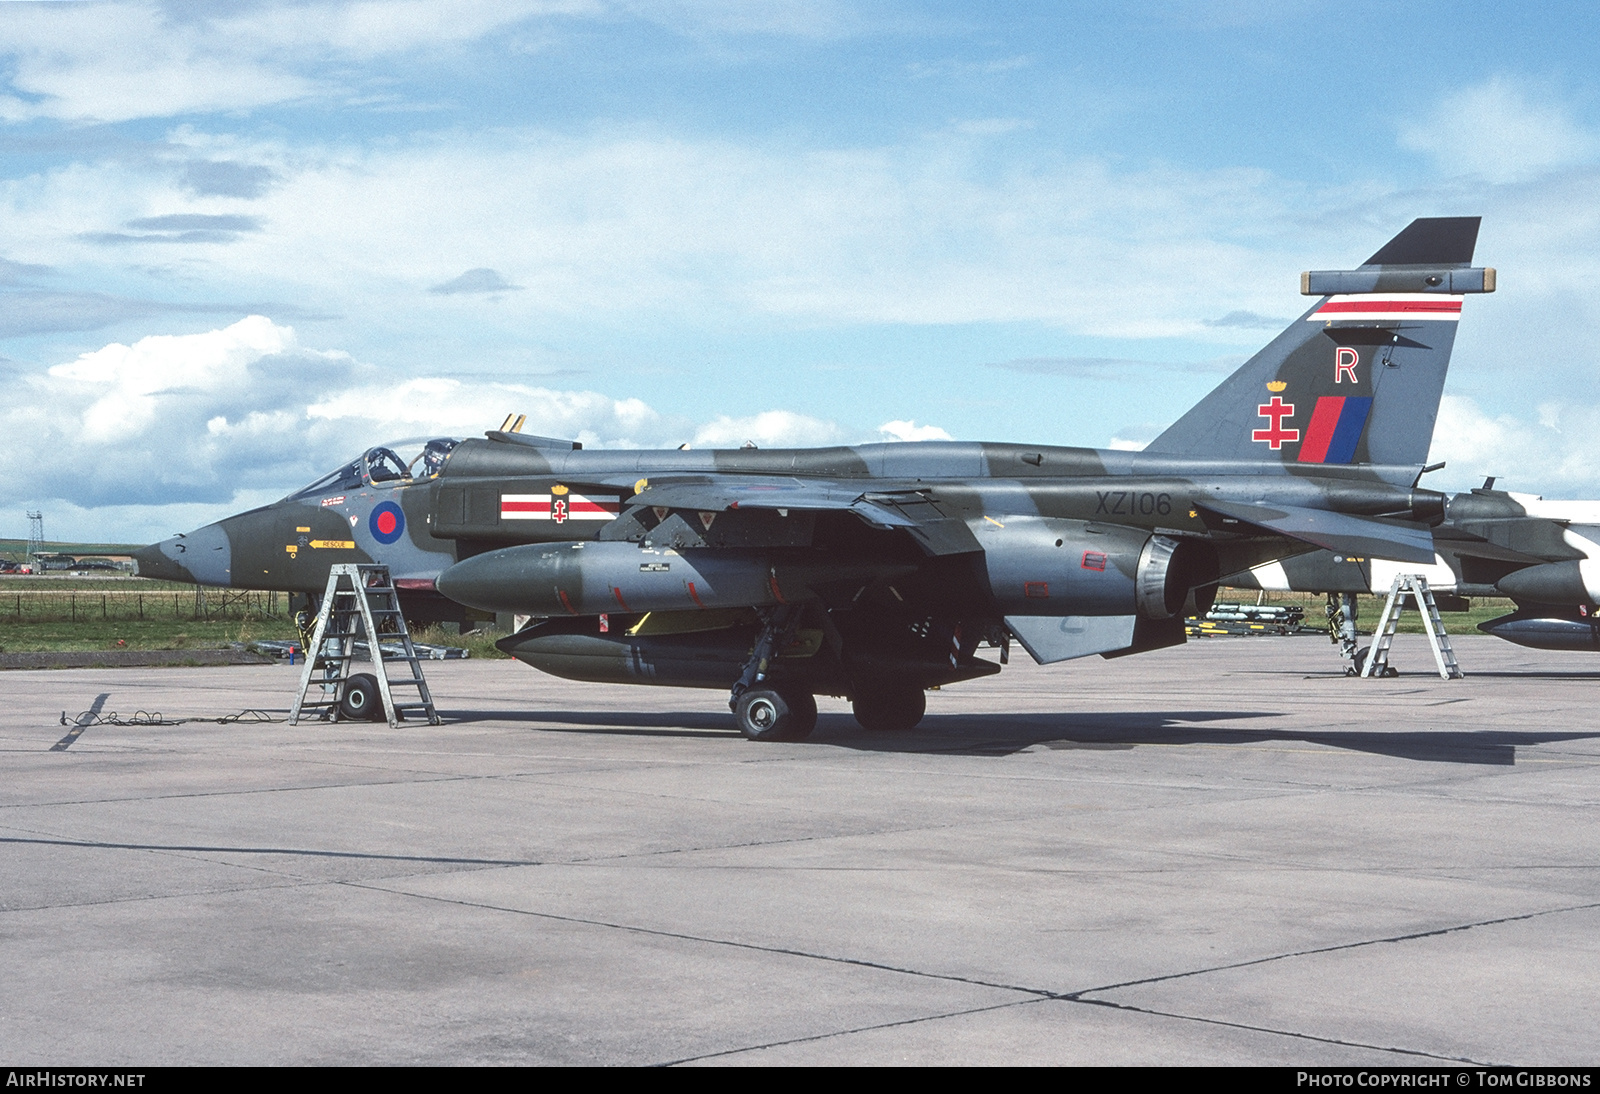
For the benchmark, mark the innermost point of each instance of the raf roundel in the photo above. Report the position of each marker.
(387, 522)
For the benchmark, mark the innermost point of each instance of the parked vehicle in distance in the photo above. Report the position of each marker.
(101, 565)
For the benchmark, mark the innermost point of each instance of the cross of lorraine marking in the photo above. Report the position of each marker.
(558, 511)
(1277, 410)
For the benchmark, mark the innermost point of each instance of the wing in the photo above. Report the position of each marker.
(1403, 541)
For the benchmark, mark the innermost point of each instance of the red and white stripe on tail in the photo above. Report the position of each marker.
(1389, 306)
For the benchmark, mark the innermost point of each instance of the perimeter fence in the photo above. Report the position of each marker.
(207, 605)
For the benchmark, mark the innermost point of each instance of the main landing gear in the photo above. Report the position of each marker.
(889, 707)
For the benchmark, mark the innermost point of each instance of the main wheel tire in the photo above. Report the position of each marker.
(361, 700)
(889, 709)
(771, 714)
(803, 709)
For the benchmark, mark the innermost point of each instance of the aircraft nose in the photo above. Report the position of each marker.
(157, 561)
(201, 557)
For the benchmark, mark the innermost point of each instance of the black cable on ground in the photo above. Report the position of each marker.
(147, 718)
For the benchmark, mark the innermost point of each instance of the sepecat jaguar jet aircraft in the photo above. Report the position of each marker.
(874, 572)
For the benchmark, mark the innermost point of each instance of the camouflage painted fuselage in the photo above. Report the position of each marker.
(1070, 550)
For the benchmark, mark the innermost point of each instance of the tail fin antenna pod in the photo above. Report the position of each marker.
(1358, 377)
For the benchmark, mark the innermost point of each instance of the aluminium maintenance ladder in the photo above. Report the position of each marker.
(1416, 587)
(360, 598)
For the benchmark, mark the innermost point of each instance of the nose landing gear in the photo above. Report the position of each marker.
(776, 714)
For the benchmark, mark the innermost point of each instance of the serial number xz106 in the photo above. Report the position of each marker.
(1133, 503)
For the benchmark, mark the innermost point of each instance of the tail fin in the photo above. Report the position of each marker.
(1357, 378)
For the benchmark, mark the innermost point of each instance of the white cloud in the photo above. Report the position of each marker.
(627, 225)
(1538, 457)
(214, 422)
(131, 385)
(174, 418)
(911, 431)
(364, 29)
(1501, 130)
(445, 405)
(114, 62)
(816, 19)
(769, 429)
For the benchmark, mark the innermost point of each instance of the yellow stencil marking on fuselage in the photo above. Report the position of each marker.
(338, 544)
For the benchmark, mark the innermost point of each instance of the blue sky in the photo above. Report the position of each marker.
(244, 240)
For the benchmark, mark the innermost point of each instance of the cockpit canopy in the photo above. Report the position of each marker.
(399, 463)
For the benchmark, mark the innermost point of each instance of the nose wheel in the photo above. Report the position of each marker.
(765, 711)
(776, 714)
(361, 701)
